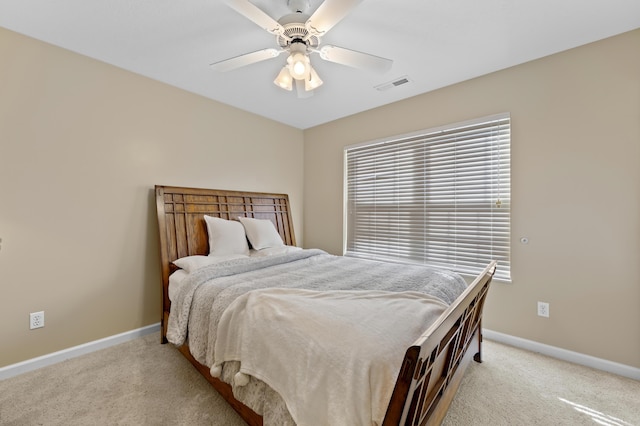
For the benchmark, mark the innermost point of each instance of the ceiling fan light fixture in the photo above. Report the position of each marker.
(284, 79)
(299, 65)
(314, 81)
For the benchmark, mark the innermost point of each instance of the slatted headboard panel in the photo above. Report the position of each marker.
(183, 231)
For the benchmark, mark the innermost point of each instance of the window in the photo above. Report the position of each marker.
(440, 197)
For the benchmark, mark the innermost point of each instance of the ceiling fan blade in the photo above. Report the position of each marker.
(355, 59)
(246, 59)
(255, 14)
(328, 14)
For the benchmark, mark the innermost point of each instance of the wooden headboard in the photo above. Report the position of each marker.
(183, 231)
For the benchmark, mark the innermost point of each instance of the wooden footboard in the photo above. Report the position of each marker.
(433, 366)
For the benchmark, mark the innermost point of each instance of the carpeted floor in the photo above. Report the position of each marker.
(142, 382)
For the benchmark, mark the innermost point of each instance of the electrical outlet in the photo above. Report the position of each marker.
(36, 320)
(543, 309)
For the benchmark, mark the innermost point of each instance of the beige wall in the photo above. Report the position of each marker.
(81, 145)
(575, 189)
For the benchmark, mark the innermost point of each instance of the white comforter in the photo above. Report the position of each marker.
(332, 356)
(206, 294)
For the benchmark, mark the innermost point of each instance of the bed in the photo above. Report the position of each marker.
(433, 364)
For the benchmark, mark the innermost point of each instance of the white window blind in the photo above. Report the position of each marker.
(440, 198)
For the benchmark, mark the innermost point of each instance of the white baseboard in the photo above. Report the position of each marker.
(565, 355)
(55, 357)
(530, 345)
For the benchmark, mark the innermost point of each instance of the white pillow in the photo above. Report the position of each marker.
(226, 237)
(191, 263)
(261, 233)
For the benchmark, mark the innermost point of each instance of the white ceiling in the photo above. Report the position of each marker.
(434, 42)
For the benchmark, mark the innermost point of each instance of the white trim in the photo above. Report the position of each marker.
(565, 355)
(530, 345)
(56, 357)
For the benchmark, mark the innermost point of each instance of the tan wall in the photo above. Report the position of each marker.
(575, 189)
(81, 145)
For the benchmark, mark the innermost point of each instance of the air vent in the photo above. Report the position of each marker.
(394, 83)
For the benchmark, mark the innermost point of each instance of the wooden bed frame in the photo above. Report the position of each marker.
(432, 367)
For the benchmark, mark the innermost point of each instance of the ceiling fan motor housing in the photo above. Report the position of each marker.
(296, 32)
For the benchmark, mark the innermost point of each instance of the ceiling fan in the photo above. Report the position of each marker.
(298, 34)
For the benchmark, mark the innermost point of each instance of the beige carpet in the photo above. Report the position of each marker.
(144, 383)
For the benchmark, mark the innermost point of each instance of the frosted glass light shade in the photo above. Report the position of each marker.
(284, 79)
(299, 65)
(314, 81)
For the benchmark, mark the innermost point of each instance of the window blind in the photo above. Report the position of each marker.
(441, 197)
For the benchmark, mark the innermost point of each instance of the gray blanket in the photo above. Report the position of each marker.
(308, 269)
